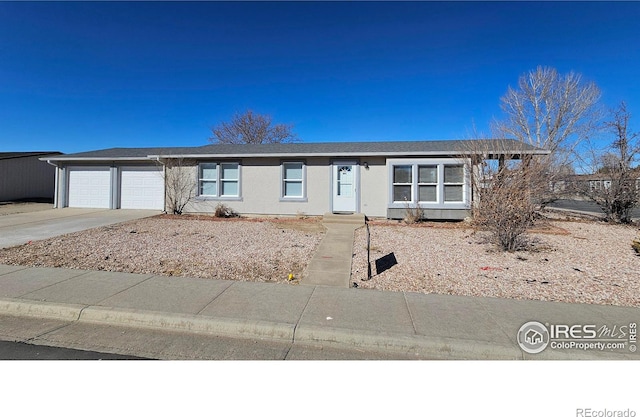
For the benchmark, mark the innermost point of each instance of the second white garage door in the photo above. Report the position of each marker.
(141, 188)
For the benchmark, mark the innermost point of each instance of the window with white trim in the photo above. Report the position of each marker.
(427, 183)
(453, 183)
(437, 183)
(402, 183)
(293, 180)
(219, 179)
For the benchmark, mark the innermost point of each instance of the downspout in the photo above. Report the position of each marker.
(164, 183)
(55, 187)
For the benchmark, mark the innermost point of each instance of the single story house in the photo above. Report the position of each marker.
(24, 176)
(378, 179)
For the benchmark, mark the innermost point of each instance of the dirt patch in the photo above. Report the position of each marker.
(575, 262)
(233, 249)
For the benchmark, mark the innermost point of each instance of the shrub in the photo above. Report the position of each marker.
(413, 214)
(636, 245)
(223, 210)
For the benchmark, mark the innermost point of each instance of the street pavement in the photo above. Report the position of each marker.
(61, 303)
(585, 207)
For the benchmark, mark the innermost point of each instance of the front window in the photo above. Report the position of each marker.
(293, 180)
(219, 179)
(229, 180)
(209, 179)
(453, 183)
(428, 182)
(402, 183)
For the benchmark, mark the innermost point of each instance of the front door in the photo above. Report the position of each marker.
(345, 187)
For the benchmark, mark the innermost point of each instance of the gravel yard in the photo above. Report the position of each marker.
(569, 261)
(247, 250)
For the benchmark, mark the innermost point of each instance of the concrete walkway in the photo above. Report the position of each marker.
(331, 263)
(423, 326)
(17, 229)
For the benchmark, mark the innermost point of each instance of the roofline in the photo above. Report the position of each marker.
(292, 155)
(120, 158)
(30, 154)
(345, 154)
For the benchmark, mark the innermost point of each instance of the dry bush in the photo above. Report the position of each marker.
(413, 213)
(180, 185)
(507, 191)
(225, 211)
(507, 207)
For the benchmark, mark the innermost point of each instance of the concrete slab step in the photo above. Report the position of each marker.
(346, 218)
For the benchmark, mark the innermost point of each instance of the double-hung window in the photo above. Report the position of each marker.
(453, 183)
(219, 179)
(402, 183)
(293, 181)
(427, 183)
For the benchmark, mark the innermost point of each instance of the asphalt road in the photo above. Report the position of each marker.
(586, 206)
(84, 341)
(27, 352)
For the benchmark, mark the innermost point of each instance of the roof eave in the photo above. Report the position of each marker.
(341, 154)
(98, 159)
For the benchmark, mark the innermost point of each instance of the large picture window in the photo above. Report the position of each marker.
(428, 182)
(219, 179)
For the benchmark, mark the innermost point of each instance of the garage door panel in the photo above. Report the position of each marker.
(141, 188)
(89, 187)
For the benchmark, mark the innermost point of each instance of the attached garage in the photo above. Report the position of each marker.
(89, 187)
(141, 188)
(125, 187)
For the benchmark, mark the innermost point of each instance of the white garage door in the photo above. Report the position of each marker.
(141, 188)
(89, 187)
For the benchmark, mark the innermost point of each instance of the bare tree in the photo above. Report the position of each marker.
(251, 127)
(614, 184)
(549, 110)
(554, 112)
(179, 184)
(507, 192)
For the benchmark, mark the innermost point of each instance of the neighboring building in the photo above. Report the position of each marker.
(23, 176)
(584, 185)
(378, 179)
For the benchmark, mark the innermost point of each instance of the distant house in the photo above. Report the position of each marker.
(596, 184)
(378, 179)
(23, 176)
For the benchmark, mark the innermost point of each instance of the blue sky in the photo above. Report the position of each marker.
(78, 76)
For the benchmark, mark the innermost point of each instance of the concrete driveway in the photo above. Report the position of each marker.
(17, 229)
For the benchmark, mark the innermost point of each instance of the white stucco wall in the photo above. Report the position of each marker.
(261, 188)
(373, 187)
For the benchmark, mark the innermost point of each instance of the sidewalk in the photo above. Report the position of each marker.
(427, 326)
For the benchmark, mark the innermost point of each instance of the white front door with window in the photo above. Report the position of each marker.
(345, 187)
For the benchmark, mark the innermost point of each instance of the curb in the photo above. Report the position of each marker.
(217, 326)
(41, 309)
(422, 347)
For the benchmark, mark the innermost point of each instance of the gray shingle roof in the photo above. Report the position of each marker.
(407, 148)
(12, 155)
